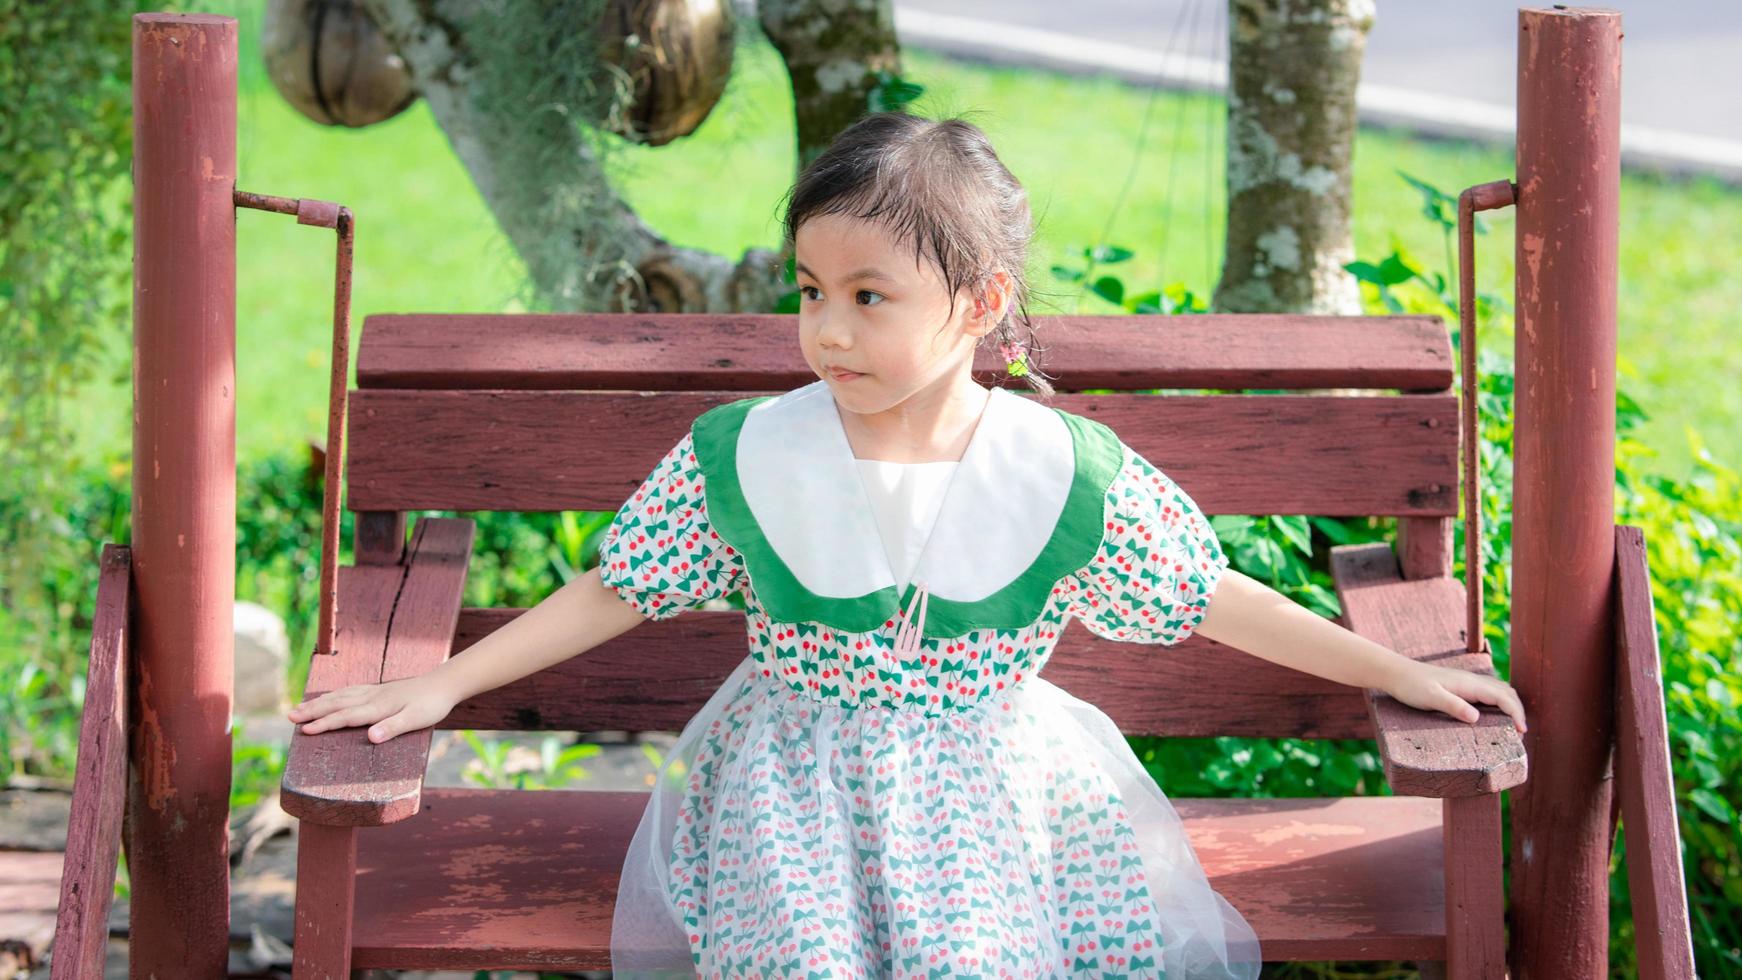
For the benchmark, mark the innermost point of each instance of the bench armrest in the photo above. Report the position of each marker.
(1426, 753)
(394, 621)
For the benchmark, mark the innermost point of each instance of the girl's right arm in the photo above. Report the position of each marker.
(572, 620)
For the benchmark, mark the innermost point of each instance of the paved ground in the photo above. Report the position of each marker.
(262, 879)
(1452, 67)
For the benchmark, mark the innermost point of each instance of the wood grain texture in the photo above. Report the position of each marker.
(1642, 774)
(1426, 753)
(527, 880)
(1475, 888)
(378, 537)
(326, 901)
(87, 885)
(579, 450)
(1424, 547)
(747, 352)
(394, 621)
(656, 676)
(561, 412)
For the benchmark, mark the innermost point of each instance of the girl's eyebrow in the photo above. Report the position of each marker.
(868, 272)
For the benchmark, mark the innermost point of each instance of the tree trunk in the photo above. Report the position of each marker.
(1293, 69)
(519, 97)
(834, 52)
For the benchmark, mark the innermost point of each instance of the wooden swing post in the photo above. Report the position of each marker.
(184, 492)
(1563, 510)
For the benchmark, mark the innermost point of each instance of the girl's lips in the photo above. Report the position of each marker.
(840, 375)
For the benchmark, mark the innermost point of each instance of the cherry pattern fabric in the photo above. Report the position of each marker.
(836, 810)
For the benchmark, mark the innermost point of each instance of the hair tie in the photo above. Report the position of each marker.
(1015, 358)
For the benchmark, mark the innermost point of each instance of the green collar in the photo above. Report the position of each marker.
(1097, 455)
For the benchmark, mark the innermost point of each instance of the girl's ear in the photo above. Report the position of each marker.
(990, 303)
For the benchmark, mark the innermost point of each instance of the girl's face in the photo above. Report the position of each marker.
(869, 306)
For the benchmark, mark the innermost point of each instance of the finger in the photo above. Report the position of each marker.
(1501, 694)
(387, 727)
(328, 701)
(342, 718)
(1460, 709)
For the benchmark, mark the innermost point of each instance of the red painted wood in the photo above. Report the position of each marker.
(1563, 501)
(395, 621)
(1643, 778)
(1318, 878)
(1475, 888)
(739, 352)
(1426, 753)
(183, 530)
(572, 450)
(321, 769)
(326, 902)
(1424, 547)
(87, 885)
(378, 537)
(656, 676)
(527, 879)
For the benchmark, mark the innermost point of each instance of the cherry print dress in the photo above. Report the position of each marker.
(885, 786)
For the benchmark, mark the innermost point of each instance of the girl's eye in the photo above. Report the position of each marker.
(805, 292)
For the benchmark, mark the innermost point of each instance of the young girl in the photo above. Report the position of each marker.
(885, 786)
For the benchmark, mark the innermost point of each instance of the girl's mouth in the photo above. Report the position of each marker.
(840, 375)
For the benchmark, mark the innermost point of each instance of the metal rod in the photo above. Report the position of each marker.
(1482, 197)
(325, 214)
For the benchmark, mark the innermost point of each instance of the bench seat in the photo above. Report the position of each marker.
(527, 880)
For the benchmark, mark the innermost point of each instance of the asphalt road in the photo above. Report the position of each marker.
(1682, 69)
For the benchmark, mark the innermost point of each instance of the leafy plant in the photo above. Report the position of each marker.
(502, 765)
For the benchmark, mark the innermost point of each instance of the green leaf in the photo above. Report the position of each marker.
(1110, 289)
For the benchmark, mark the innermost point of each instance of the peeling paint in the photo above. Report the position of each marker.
(1302, 828)
(157, 756)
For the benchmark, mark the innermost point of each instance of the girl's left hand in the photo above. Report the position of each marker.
(1447, 689)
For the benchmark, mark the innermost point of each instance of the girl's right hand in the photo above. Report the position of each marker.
(390, 708)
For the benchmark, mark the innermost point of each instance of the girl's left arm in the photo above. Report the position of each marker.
(1251, 616)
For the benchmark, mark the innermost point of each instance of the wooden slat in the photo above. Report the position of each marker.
(326, 900)
(1426, 753)
(656, 676)
(1475, 889)
(394, 621)
(81, 929)
(1642, 774)
(741, 352)
(527, 880)
(572, 450)
(1424, 547)
(378, 537)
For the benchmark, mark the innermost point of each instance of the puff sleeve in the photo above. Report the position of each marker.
(660, 554)
(1158, 565)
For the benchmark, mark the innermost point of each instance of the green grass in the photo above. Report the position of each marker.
(426, 242)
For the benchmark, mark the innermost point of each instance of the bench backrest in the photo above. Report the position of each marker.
(551, 412)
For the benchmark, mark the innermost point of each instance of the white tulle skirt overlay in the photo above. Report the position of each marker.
(1020, 837)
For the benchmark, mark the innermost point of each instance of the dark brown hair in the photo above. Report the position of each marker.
(939, 185)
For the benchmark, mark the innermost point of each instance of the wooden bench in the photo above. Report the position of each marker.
(560, 412)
